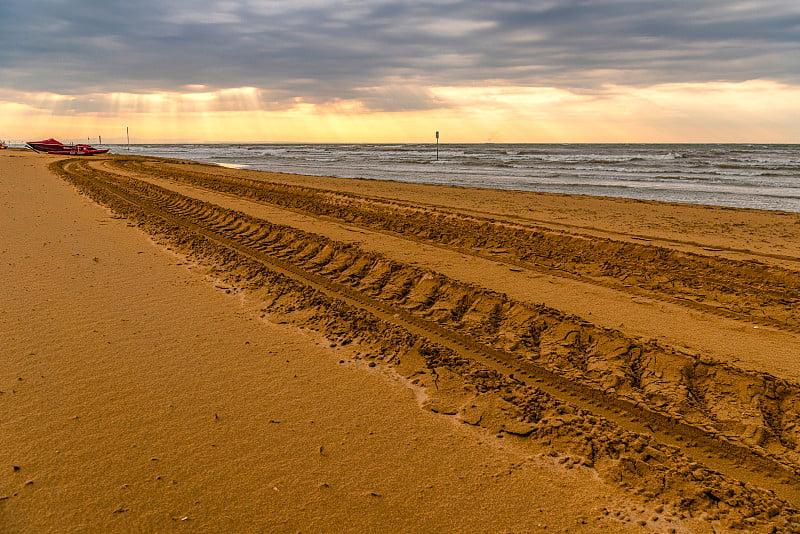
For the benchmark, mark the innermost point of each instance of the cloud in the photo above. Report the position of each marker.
(327, 52)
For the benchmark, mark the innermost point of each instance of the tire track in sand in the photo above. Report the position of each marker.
(237, 235)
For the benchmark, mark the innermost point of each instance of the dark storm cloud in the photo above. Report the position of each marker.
(382, 52)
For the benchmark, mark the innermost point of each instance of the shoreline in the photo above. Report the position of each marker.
(717, 226)
(550, 209)
(750, 176)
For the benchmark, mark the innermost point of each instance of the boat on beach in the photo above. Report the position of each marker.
(51, 146)
(78, 150)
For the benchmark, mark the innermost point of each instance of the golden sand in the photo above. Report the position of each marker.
(149, 385)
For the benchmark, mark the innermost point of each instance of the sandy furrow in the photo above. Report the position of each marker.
(745, 290)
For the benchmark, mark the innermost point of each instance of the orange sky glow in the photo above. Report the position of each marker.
(752, 111)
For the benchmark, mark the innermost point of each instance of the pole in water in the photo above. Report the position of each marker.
(128, 133)
(99, 139)
(437, 145)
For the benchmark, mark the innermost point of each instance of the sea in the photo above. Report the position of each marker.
(756, 176)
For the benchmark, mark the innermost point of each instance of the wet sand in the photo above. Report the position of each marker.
(147, 390)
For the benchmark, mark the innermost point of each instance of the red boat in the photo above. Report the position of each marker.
(51, 146)
(47, 145)
(78, 150)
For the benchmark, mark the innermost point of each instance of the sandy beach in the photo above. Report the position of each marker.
(189, 347)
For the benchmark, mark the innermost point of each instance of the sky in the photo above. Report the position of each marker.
(391, 71)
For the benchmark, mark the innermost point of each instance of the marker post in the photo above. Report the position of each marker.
(437, 145)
